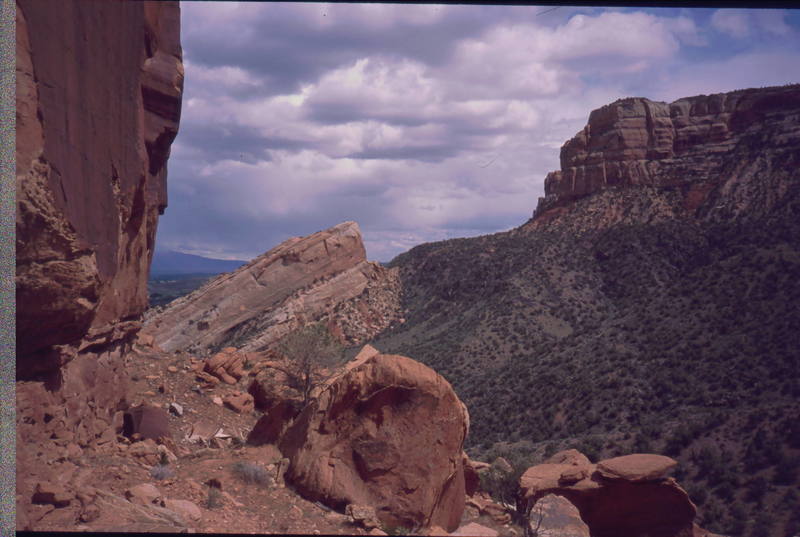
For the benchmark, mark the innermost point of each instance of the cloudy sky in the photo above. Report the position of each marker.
(420, 122)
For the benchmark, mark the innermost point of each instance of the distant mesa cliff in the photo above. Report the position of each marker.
(324, 276)
(713, 150)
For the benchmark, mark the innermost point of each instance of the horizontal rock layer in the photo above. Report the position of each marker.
(711, 148)
(324, 276)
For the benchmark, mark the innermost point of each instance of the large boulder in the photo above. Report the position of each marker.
(636, 467)
(472, 480)
(386, 432)
(270, 426)
(272, 386)
(628, 495)
(147, 421)
(555, 516)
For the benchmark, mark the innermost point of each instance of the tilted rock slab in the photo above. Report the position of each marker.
(628, 495)
(387, 432)
(728, 153)
(301, 280)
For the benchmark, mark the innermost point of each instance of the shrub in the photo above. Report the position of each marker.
(757, 488)
(786, 470)
(310, 351)
(251, 473)
(161, 472)
(214, 499)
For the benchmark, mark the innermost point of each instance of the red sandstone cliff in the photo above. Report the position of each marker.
(98, 100)
(717, 156)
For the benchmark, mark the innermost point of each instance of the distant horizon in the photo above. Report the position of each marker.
(420, 122)
(160, 251)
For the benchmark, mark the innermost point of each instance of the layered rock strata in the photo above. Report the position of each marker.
(98, 104)
(730, 153)
(387, 432)
(324, 276)
(629, 495)
(98, 96)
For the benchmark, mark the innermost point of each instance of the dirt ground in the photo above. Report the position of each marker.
(96, 482)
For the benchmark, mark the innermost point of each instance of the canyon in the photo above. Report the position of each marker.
(646, 306)
(649, 306)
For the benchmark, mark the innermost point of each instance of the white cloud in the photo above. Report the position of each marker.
(743, 23)
(350, 112)
(217, 80)
(686, 31)
(383, 16)
(734, 22)
(378, 87)
(635, 35)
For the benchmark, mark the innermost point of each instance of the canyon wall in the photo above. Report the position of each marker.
(98, 98)
(725, 154)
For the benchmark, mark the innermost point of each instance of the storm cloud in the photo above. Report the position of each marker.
(420, 122)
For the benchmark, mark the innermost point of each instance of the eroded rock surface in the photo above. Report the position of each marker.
(555, 516)
(89, 191)
(98, 99)
(723, 155)
(636, 500)
(387, 432)
(98, 104)
(324, 276)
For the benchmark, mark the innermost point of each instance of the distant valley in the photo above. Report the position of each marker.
(174, 274)
(169, 262)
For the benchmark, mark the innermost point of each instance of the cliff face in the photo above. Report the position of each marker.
(98, 103)
(724, 155)
(322, 276)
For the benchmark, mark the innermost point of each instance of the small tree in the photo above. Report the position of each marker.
(501, 481)
(309, 351)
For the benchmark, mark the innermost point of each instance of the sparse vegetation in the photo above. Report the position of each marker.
(251, 473)
(160, 472)
(396, 530)
(673, 337)
(312, 354)
(164, 289)
(214, 499)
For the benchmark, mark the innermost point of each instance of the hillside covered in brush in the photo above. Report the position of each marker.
(651, 304)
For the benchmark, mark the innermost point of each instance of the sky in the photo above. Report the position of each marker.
(420, 122)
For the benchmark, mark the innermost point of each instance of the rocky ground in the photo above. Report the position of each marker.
(206, 479)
